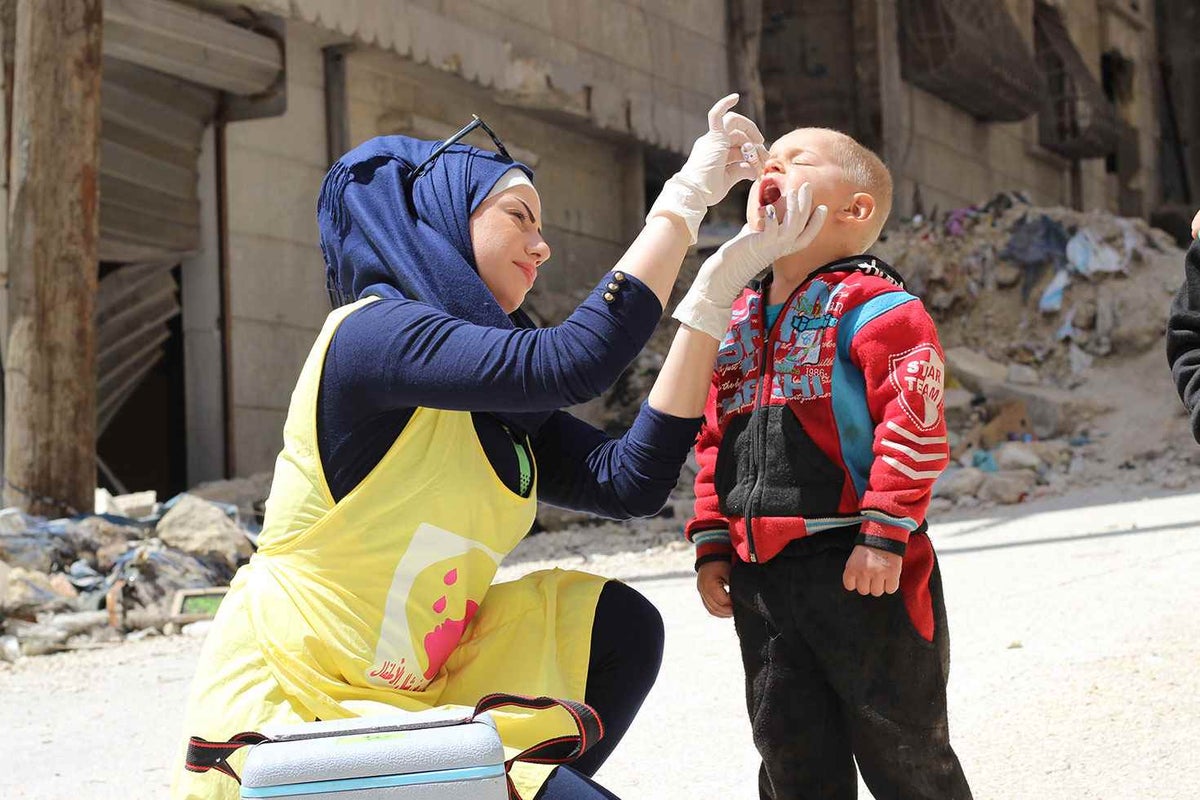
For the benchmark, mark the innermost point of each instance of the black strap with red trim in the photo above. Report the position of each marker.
(560, 750)
(203, 755)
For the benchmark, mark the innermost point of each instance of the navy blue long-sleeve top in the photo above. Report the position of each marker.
(394, 355)
(1183, 338)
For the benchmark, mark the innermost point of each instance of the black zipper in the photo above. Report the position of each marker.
(758, 435)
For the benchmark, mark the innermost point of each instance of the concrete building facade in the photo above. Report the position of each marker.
(603, 98)
(842, 64)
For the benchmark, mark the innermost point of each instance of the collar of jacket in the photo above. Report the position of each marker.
(866, 264)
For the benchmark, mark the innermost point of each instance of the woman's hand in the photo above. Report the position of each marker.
(714, 166)
(709, 303)
(1196, 226)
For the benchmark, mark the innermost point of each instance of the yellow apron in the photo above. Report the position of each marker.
(384, 601)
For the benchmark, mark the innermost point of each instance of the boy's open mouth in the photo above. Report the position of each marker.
(768, 192)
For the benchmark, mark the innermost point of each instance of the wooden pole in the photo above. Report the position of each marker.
(50, 375)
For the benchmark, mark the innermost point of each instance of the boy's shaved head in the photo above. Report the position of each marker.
(844, 176)
(862, 167)
(859, 167)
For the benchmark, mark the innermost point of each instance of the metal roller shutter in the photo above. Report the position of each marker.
(149, 142)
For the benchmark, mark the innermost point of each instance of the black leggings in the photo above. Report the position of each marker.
(627, 647)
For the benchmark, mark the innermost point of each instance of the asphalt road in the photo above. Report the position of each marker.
(1075, 673)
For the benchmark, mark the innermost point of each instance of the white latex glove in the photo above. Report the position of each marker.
(714, 166)
(708, 304)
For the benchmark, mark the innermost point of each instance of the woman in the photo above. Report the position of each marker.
(423, 428)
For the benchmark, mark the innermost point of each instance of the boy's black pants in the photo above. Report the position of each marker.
(833, 676)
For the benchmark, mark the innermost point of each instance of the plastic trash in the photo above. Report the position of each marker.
(1037, 241)
(1067, 330)
(1088, 255)
(984, 460)
(1052, 296)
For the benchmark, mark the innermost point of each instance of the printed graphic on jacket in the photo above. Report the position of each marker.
(918, 377)
(802, 350)
(803, 354)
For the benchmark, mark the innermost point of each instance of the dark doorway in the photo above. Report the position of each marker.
(142, 443)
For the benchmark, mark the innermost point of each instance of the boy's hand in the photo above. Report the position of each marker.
(712, 581)
(1196, 226)
(872, 571)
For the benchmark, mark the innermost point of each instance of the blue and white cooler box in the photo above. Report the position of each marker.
(439, 754)
(420, 756)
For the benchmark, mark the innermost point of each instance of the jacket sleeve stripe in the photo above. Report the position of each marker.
(916, 475)
(912, 437)
(710, 536)
(939, 455)
(887, 519)
(876, 307)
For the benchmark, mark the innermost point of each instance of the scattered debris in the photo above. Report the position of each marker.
(91, 580)
(1053, 323)
(200, 528)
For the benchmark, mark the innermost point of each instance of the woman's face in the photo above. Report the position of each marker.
(506, 234)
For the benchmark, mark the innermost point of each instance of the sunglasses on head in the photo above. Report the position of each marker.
(475, 122)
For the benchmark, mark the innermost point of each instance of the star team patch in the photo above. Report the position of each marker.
(919, 377)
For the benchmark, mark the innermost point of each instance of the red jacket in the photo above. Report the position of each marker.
(846, 431)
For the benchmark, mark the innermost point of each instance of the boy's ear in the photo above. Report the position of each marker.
(861, 207)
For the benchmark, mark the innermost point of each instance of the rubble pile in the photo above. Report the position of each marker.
(1053, 322)
(97, 578)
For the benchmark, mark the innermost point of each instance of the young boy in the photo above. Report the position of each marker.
(823, 436)
(1183, 333)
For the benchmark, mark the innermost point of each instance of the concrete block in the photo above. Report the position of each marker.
(265, 362)
(665, 61)
(1023, 374)
(1007, 487)
(199, 528)
(566, 21)
(305, 61)
(298, 135)
(272, 280)
(705, 17)
(271, 195)
(623, 35)
(957, 408)
(974, 370)
(532, 13)
(577, 265)
(958, 482)
(258, 438)
(1017, 455)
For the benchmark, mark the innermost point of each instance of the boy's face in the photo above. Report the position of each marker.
(803, 156)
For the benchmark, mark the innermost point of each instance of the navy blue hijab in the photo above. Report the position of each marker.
(384, 237)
